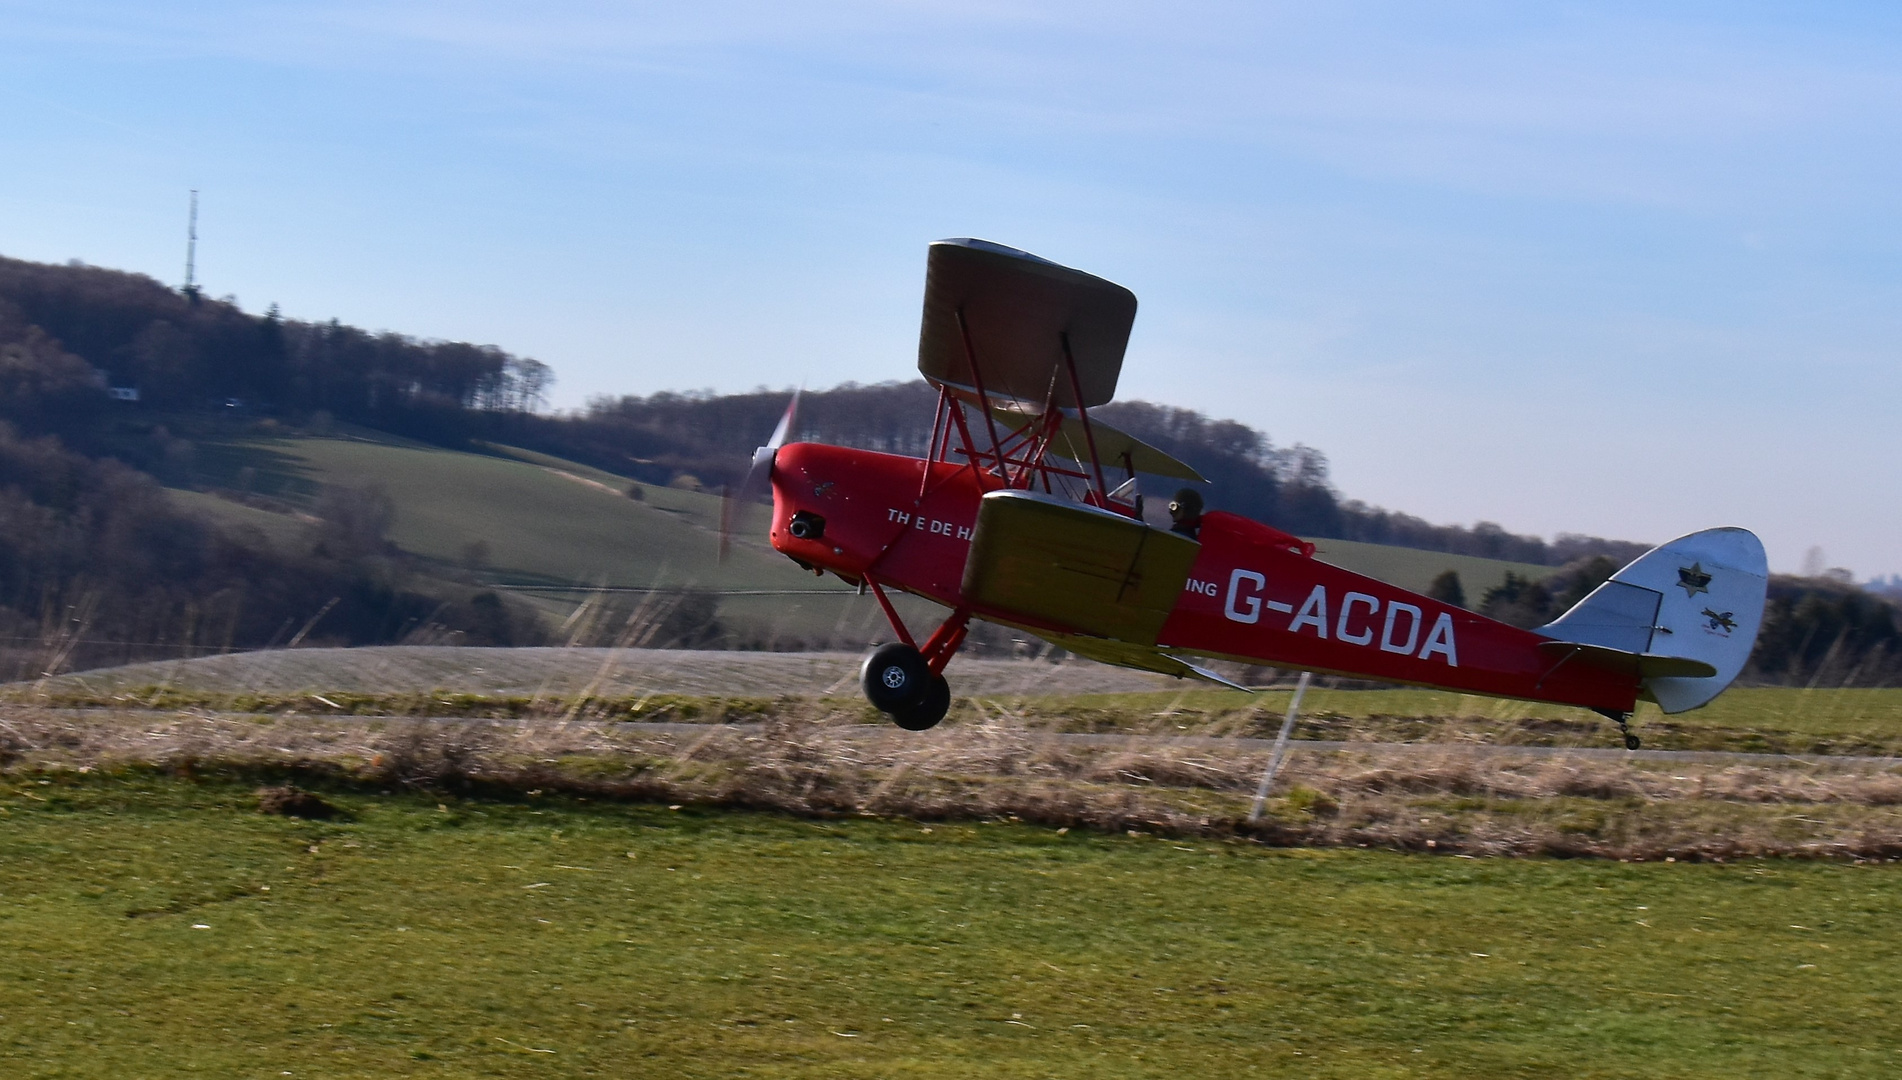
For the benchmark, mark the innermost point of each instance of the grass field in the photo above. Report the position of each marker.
(156, 927)
(810, 895)
(1771, 719)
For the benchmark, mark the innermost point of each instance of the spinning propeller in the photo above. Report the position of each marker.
(759, 477)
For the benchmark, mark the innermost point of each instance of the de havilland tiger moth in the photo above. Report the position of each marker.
(1025, 512)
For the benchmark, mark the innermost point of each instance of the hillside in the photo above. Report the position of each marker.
(548, 532)
(541, 521)
(70, 332)
(551, 530)
(546, 521)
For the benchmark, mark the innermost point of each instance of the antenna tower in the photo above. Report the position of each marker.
(191, 250)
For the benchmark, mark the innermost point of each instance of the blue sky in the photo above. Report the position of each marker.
(1619, 269)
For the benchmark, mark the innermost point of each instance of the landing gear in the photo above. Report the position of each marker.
(905, 682)
(895, 678)
(926, 714)
(899, 683)
(1622, 719)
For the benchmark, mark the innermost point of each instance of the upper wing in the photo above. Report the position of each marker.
(1013, 313)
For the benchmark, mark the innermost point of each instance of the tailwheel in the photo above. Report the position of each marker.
(1622, 719)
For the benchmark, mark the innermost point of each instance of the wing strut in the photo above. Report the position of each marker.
(938, 427)
(1083, 414)
(984, 400)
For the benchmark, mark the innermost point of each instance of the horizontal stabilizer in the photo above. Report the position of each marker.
(1643, 665)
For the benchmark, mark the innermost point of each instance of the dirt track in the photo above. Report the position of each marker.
(606, 672)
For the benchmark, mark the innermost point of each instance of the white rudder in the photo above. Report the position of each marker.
(1698, 598)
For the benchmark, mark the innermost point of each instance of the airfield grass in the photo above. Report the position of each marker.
(1774, 720)
(1764, 719)
(153, 926)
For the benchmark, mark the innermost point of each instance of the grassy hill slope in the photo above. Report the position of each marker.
(541, 524)
(550, 530)
(1411, 568)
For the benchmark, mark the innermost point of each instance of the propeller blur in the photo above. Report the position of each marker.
(759, 475)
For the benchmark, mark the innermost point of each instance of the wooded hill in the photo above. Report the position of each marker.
(109, 381)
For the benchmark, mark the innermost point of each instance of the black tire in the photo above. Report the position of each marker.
(1632, 743)
(895, 678)
(926, 714)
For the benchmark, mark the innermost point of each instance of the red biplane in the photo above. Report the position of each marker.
(1026, 512)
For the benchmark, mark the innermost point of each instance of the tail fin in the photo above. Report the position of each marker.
(1693, 603)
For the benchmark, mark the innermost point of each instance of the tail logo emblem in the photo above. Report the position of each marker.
(1719, 622)
(1693, 580)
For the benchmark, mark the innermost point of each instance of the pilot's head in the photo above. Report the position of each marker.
(1185, 510)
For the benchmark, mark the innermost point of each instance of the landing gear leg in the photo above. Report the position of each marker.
(1622, 719)
(906, 682)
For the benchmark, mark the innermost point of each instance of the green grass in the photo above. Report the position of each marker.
(443, 938)
(281, 529)
(1774, 719)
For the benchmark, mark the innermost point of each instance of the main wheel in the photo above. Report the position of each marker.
(1631, 741)
(895, 678)
(930, 710)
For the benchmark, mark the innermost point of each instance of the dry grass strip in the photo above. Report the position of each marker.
(1441, 798)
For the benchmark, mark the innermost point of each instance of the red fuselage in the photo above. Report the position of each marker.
(1253, 595)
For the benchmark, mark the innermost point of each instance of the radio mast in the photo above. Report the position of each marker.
(191, 251)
